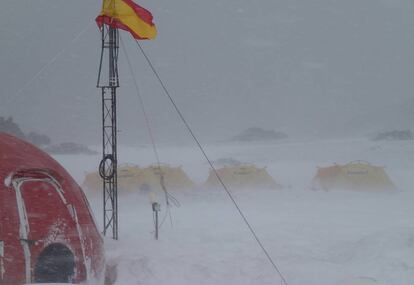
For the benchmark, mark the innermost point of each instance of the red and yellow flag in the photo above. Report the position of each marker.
(128, 16)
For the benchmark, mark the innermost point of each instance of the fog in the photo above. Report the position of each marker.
(307, 68)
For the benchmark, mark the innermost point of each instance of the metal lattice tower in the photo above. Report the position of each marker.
(108, 83)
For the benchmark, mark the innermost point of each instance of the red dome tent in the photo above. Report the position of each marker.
(47, 232)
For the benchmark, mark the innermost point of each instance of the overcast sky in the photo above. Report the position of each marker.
(308, 68)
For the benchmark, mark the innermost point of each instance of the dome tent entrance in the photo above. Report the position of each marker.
(242, 176)
(44, 219)
(356, 175)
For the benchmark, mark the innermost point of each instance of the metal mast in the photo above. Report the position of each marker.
(108, 82)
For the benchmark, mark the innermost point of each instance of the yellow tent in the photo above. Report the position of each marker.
(242, 176)
(135, 179)
(357, 175)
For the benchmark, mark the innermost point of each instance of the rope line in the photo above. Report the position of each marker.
(168, 197)
(141, 100)
(211, 165)
(51, 61)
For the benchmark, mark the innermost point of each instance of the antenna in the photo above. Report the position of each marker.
(108, 82)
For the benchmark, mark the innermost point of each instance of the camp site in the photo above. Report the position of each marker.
(207, 142)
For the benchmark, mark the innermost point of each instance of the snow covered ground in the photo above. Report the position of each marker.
(332, 238)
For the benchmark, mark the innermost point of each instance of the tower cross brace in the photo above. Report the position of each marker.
(108, 82)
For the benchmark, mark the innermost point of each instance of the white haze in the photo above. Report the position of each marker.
(308, 68)
(316, 237)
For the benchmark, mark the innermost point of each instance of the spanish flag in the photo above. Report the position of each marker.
(128, 16)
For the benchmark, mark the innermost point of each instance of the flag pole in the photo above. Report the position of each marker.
(108, 82)
(138, 21)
